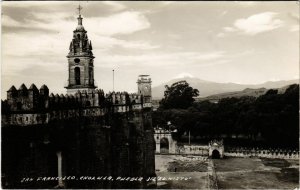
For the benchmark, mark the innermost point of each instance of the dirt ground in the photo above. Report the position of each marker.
(193, 168)
(232, 173)
(255, 173)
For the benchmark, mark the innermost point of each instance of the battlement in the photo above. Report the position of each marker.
(23, 92)
(27, 99)
(34, 99)
(118, 98)
(80, 99)
(144, 79)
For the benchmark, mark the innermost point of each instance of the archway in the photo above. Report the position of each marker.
(164, 145)
(215, 154)
(77, 75)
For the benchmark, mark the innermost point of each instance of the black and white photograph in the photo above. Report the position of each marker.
(150, 94)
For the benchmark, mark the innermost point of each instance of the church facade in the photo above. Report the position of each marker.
(84, 139)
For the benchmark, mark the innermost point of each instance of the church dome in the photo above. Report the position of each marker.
(80, 28)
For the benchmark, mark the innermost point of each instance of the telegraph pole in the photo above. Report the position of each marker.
(113, 80)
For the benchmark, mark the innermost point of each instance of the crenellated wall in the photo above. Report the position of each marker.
(95, 134)
(33, 106)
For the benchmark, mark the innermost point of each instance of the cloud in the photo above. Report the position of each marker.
(229, 29)
(142, 45)
(223, 13)
(256, 24)
(174, 36)
(172, 59)
(294, 28)
(246, 3)
(60, 27)
(27, 44)
(126, 22)
(207, 56)
(220, 35)
(8, 21)
(136, 41)
(117, 6)
(106, 43)
(30, 4)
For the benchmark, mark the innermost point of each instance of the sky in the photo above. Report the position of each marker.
(240, 42)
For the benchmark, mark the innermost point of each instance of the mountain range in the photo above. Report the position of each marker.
(208, 88)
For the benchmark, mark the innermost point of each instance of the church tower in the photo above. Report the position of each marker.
(80, 61)
(144, 89)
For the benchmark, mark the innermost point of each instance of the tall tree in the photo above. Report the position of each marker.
(178, 95)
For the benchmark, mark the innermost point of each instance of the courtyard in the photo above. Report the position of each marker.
(231, 173)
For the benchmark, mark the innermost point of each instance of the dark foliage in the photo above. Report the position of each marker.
(271, 119)
(178, 95)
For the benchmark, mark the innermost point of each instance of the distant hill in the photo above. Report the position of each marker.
(246, 92)
(208, 88)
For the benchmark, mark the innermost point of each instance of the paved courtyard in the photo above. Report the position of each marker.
(232, 173)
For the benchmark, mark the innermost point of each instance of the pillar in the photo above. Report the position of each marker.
(157, 142)
(59, 169)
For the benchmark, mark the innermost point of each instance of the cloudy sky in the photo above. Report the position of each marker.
(241, 42)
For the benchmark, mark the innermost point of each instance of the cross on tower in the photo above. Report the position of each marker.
(79, 9)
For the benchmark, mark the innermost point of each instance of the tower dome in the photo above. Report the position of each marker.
(80, 27)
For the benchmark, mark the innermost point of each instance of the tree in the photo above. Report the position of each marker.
(178, 95)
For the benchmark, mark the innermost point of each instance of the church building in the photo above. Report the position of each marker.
(83, 139)
(80, 61)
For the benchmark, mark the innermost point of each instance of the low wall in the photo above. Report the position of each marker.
(262, 153)
(200, 150)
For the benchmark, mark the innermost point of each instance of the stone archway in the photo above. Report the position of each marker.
(164, 145)
(215, 154)
(164, 141)
(216, 149)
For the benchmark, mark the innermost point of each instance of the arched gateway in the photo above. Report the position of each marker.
(215, 154)
(216, 149)
(164, 141)
(164, 145)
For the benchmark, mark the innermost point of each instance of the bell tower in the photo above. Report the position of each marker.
(144, 89)
(80, 61)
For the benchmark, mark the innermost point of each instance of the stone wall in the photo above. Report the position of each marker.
(193, 150)
(36, 100)
(96, 134)
(239, 152)
(262, 153)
